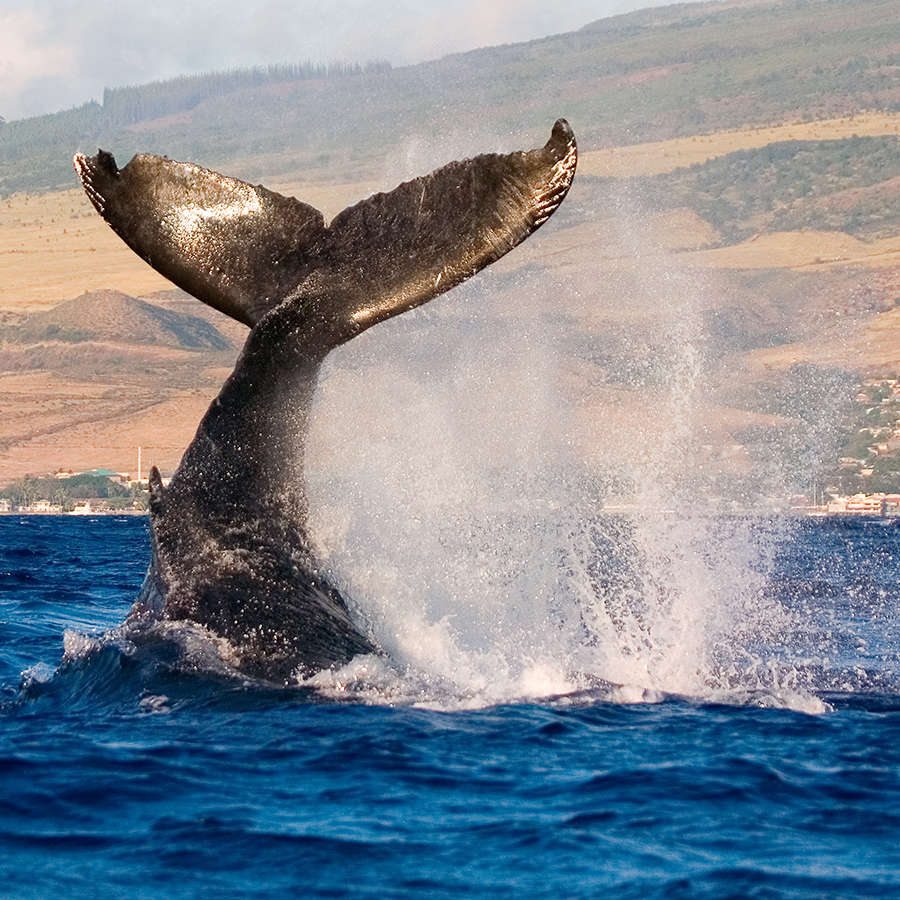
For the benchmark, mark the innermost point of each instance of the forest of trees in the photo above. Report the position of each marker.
(126, 105)
(64, 491)
(783, 187)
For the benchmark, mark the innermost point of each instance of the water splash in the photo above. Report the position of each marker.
(452, 504)
(458, 499)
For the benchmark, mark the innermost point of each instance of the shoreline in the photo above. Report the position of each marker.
(614, 512)
(84, 515)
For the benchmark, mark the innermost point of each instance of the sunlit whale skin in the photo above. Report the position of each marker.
(230, 548)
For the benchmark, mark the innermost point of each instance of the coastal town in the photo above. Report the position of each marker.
(883, 505)
(122, 493)
(866, 479)
(90, 492)
(91, 507)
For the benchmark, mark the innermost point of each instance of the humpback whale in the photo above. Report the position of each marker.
(230, 549)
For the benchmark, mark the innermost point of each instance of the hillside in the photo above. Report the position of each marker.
(111, 316)
(101, 373)
(847, 185)
(646, 76)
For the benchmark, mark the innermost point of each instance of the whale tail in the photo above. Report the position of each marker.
(230, 550)
(243, 249)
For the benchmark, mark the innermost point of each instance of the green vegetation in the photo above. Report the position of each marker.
(794, 185)
(65, 491)
(128, 105)
(870, 454)
(857, 445)
(809, 400)
(885, 475)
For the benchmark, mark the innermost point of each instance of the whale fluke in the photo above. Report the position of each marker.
(230, 549)
(244, 249)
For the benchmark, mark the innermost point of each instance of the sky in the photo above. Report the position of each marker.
(56, 54)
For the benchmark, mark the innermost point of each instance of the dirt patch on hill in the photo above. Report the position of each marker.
(796, 249)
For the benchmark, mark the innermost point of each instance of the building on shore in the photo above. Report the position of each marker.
(43, 507)
(879, 504)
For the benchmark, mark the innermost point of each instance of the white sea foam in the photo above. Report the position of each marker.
(39, 673)
(157, 704)
(79, 646)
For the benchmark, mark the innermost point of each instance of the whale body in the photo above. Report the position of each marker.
(230, 551)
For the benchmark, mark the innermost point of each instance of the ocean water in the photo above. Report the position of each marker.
(707, 708)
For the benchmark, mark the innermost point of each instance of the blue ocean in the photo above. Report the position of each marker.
(676, 709)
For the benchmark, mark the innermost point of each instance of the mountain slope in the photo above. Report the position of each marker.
(649, 75)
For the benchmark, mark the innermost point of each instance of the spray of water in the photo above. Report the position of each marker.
(452, 503)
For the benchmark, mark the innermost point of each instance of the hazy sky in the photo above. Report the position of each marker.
(55, 54)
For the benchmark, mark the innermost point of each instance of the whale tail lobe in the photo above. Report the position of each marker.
(243, 249)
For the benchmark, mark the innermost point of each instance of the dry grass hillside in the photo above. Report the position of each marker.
(96, 376)
(54, 245)
(85, 382)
